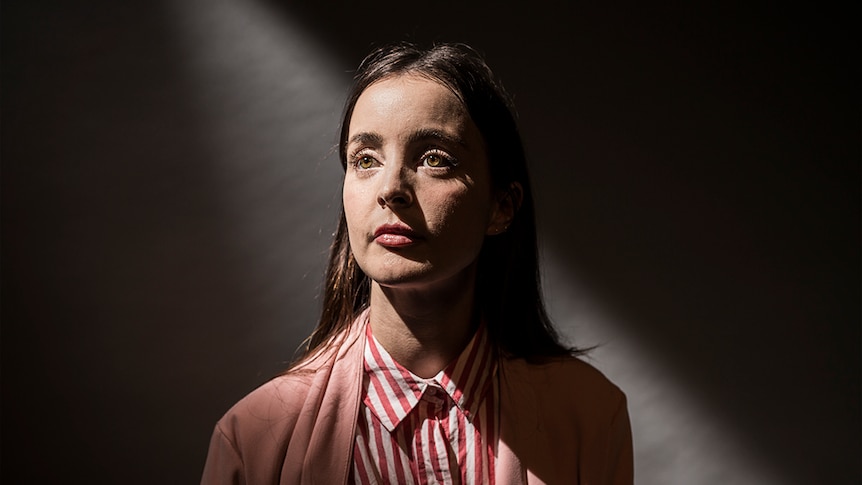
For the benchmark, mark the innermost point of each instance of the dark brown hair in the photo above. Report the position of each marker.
(508, 292)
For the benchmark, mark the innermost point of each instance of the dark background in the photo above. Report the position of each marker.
(168, 191)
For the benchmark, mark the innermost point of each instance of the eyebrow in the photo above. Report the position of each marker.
(366, 138)
(430, 134)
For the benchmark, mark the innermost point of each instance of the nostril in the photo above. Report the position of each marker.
(395, 197)
(394, 200)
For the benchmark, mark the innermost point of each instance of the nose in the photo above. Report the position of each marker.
(396, 188)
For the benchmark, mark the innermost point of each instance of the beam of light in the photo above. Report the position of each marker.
(676, 440)
(269, 99)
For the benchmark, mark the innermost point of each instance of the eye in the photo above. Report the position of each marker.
(437, 159)
(363, 161)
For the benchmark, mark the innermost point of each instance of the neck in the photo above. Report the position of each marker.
(424, 328)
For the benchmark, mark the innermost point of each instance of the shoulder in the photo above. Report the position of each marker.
(270, 410)
(556, 369)
(253, 435)
(275, 424)
(567, 383)
(566, 419)
(273, 408)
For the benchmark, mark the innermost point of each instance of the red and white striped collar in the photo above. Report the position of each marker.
(393, 391)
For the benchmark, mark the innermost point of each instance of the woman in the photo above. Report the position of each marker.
(434, 360)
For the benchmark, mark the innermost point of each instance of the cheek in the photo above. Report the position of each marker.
(351, 198)
(354, 195)
(464, 209)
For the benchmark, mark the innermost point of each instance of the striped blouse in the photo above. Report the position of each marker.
(439, 430)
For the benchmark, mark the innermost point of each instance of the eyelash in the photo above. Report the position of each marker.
(357, 157)
(449, 161)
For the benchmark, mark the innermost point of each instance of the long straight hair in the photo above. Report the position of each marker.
(508, 283)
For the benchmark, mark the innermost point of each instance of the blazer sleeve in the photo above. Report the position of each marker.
(224, 465)
(620, 457)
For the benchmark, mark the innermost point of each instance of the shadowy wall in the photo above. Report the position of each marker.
(169, 191)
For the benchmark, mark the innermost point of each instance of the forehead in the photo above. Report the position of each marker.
(408, 101)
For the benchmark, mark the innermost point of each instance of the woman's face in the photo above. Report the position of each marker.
(417, 193)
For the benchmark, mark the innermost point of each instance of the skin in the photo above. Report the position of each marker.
(417, 161)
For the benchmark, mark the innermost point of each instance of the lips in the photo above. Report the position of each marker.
(395, 235)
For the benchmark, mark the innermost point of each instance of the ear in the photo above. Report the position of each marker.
(506, 204)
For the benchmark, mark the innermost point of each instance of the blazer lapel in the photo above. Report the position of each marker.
(327, 459)
(520, 425)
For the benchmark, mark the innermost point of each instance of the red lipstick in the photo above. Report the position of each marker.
(395, 235)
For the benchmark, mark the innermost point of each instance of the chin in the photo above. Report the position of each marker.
(401, 278)
(416, 275)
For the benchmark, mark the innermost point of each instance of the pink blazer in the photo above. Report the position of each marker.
(560, 422)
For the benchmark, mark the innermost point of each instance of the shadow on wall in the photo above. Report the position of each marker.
(162, 237)
(114, 256)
